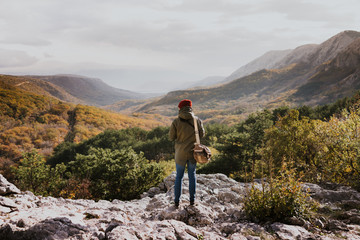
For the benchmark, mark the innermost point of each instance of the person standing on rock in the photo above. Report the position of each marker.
(183, 133)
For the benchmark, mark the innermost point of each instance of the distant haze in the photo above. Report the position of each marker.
(159, 45)
(145, 80)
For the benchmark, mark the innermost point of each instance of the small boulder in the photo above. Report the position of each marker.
(335, 225)
(6, 187)
(288, 232)
(8, 203)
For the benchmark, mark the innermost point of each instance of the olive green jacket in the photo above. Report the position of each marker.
(183, 133)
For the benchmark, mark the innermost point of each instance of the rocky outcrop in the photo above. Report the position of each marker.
(217, 214)
(7, 188)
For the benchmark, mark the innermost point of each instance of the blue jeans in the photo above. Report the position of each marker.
(179, 179)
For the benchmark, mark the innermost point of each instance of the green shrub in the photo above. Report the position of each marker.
(239, 146)
(154, 144)
(116, 174)
(35, 175)
(168, 167)
(278, 200)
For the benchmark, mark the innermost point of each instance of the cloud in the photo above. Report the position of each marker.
(198, 38)
(303, 10)
(13, 58)
(25, 40)
(203, 26)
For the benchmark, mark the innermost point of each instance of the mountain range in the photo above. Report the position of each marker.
(311, 74)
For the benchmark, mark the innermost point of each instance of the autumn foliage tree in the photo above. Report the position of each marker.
(320, 150)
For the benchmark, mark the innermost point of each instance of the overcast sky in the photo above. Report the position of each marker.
(157, 45)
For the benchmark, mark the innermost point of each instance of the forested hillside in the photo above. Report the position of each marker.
(30, 121)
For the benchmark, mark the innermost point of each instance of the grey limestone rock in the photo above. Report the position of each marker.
(335, 225)
(289, 232)
(217, 214)
(6, 187)
(57, 228)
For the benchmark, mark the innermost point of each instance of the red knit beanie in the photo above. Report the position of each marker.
(184, 103)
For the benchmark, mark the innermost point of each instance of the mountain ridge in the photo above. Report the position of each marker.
(290, 85)
(310, 53)
(337, 78)
(328, 50)
(40, 87)
(93, 91)
(263, 62)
